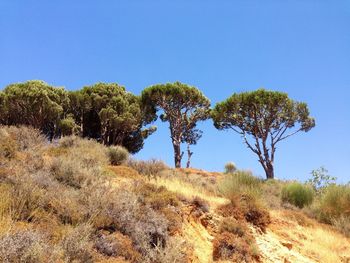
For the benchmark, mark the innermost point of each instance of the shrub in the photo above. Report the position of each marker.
(156, 197)
(232, 225)
(342, 223)
(272, 188)
(297, 194)
(77, 245)
(200, 204)
(8, 146)
(24, 246)
(230, 168)
(117, 155)
(334, 203)
(228, 246)
(149, 168)
(116, 245)
(256, 213)
(241, 183)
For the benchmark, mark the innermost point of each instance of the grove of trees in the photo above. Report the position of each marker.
(110, 114)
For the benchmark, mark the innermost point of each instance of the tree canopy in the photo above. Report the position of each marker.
(263, 118)
(104, 111)
(108, 112)
(182, 105)
(34, 103)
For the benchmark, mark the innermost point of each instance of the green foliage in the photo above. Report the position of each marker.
(108, 112)
(230, 168)
(117, 155)
(33, 103)
(297, 194)
(264, 115)
(320, 178)
(183, 106)
(68, 126)
(240, 183)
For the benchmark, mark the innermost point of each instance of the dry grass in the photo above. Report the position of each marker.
(189, 191)
(317, 241)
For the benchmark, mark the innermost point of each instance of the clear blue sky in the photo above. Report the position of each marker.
(301, 47)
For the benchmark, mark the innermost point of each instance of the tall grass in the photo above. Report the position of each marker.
(240, 183)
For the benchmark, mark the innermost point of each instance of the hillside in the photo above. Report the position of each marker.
(65, 202)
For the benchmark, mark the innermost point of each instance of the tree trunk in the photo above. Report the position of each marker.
(189, 154)
(270, 173)
(177, 154)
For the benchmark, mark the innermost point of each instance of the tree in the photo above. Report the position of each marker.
(107, 112)
(34, 103)
(190, 136)
(182, 105)
(267, 117)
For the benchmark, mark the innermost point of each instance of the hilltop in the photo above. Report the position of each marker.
(75, 200)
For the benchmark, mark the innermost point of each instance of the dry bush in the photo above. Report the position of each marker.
(342, 224)
(26, 138)
(228, 246)
(24, 246)
(177, 251)
(200, 204)
(90, 153)
(77, 245)
(8, 147)
(67, 195)
(117, 245)
(150, 168)
(81, 165)
(272, 189)
(232, 225)
(117, 155)
(256, 213)
(156, 197)
(174, 218)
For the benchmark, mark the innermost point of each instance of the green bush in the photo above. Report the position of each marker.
(117, 155)
(297, 194)
(241, 183)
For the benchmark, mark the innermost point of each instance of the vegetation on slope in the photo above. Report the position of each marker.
(66, 202)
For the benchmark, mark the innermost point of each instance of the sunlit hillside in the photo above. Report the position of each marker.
(75, 200)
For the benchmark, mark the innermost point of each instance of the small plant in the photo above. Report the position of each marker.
(320, 178)
(117, 155)
(232, 225)
(228, 246)
(297, 194)
(241, 183)
(77, 244)
(230, 168)
(151, 168)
